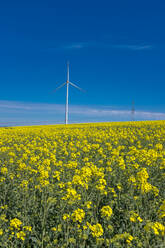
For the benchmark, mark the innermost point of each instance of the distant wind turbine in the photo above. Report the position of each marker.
(133, 111)
(67, 92)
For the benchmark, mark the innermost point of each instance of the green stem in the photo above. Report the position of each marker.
(44, 217)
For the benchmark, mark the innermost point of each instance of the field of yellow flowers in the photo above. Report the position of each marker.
(83, 186)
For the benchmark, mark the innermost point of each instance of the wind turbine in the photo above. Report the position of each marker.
(133, 111)
(67, 92)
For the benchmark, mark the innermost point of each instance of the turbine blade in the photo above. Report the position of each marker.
(74, 85)
(59, 87)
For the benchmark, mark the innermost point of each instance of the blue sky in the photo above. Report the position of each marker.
(116, 51)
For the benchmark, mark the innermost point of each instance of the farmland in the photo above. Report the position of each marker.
(83, 185)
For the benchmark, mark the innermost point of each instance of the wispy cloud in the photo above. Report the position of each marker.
(75, 46)
(82, 45)
(10, 106)
(133, 47)
(21, 113)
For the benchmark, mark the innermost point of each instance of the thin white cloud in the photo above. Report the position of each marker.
(74, 46)
(25, 106)
(134, 47)
(21, 113)
(116, 113)
(82, 45)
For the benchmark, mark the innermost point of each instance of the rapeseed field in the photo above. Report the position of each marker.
(83, 186)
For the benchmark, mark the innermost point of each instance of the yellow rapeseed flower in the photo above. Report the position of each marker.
(16, 223)
(106, 211)
(97, 230)
(78, 215)
(21, 235)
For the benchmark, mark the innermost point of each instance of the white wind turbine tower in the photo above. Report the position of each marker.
(67, 92)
